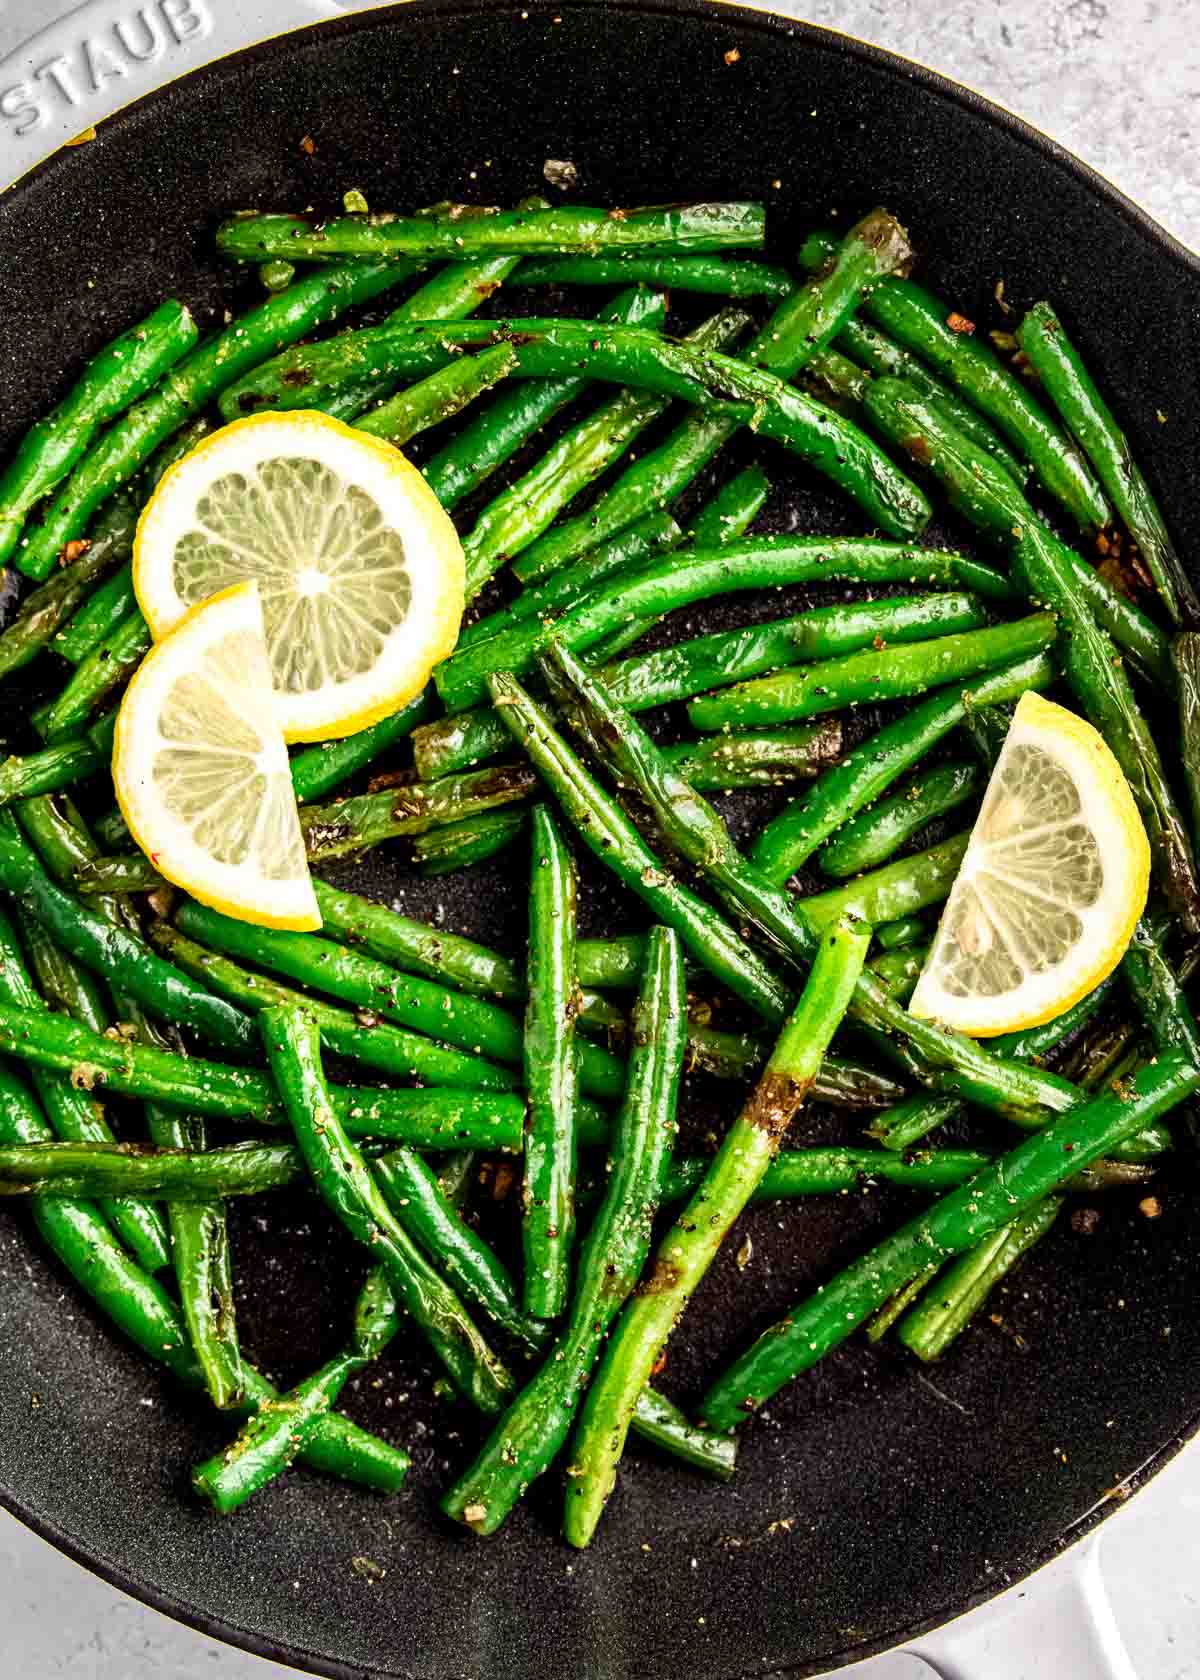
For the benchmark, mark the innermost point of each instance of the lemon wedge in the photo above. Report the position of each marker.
(359, 569)
(1054, 879)
(201, 768)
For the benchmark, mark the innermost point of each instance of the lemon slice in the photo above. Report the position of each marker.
(201, 768)
(1054, 879)
(359, 569)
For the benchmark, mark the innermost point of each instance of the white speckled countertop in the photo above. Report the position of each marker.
(1118, 83)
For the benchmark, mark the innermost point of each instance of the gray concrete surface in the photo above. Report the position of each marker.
(1119, 83)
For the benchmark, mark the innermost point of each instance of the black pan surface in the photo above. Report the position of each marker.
(874, 1500)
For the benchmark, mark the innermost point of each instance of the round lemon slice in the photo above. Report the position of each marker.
(1054, 879)
(359, 569)
(201, 768)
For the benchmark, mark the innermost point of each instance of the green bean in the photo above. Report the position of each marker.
(947, 1306)
(414, 1195)
(847, 1084)
(439, 397)
(900, 970)
(104, 608)
(726, 516)
(952, 1064)
(1030, 1043)
(1157, 993)
(688, 1248)
(346, 1185)
(1092, 1060)
(67, 988)
(722, 519)
(903, 1129)
(612, 962)
(450, 294)
(545, 347)
(138, 1169)
(839, 1083)
(456, 742)
(417, 948)
(821, 633)
(486, 442)
(272, 1438)
(320, 769)
(877, 834)
(880, 355)
(551, 1073)
(698, 575)
(714, 276)
(987, 729)
(797, 329)
(359, 1036)
(426, 1119)
(469, 1023)
(908, 1122)
(112, 952)
(1185, 656)
(688, 668)
(203, 1262)
(353, 825)
(730, 513)
(1100, 682)
(199, 1238)
(651, 536)
(918, 321)
(252, 1169)
(1090, 421)
(656, 1420)
(768, 758)
(907, 930)
(111, 829)
(829, 1172)
(105, 668)
(994, 1197)
(132, 872)
(123, 371)
(44, 609)
(276, 274)
(687, 824)
(114, 528)
(59, 766)
(76, 1118)
(870, 768)
(563, 230)
(461, 844)
(831, 375)
(882, 1319)
(141, 1310)
(984, 494)
(527, 1438)
(872, 675)
(79, 1236)
(524, 510)
(114, 458)
(456, 1173)
(606, 831)
(102, 734)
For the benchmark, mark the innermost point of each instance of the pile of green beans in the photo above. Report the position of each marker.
(555, 1073)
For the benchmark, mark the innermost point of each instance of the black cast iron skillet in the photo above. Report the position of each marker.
(874, 1500)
